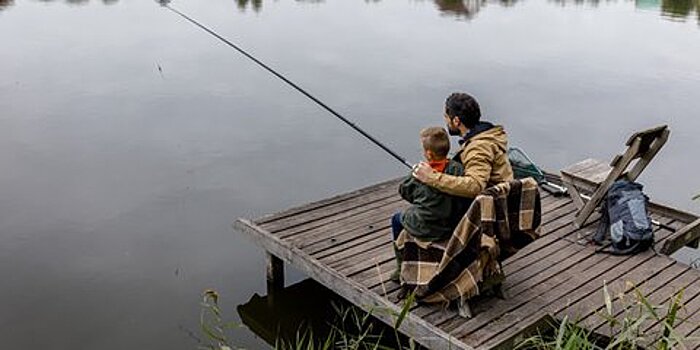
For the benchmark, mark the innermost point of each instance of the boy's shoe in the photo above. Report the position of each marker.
(396, 276)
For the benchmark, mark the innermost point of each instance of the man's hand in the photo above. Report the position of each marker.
(422, 171)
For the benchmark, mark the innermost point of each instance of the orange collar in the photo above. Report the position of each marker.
(439, 165)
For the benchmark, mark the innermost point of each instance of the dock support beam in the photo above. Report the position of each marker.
(275, 276)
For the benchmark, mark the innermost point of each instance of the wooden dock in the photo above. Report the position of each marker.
(344, 243)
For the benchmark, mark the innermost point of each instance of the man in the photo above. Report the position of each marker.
(483, 152)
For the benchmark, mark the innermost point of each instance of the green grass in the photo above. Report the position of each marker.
(352, 329)
(627, 315)
(629, 328)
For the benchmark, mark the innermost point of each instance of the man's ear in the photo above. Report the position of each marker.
(456, 121)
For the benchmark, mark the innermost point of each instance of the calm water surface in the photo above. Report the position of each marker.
(119, 181)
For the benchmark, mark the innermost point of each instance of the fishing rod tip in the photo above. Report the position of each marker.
(163, 3)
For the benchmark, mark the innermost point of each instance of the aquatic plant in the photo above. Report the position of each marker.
(632, 319)
(352, 329)
(212, 324)
(355, 329)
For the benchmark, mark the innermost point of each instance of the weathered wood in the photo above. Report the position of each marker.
(310, 233)
(349, 242)
(561, 296)
(657, 292)
(602, 188)
(652, 141)
(543, 247)
(573, 175)
(581, 166)
(376, 276)
(599, 261)
(589, 305)
(299, 210)
(573, 190)
(595, 174)
(275, 277)
(642, 146)
(661, 236)
(315, 242)
(688, 323)
(504, 310)
(547, 237)
(319, 218)
(682, 237)
(381, 241)
(585, 185)
(649, 288)
(418, 329)
(275, 273)
(344, 243)
(543, 322)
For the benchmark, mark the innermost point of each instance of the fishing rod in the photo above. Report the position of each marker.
(403, 161)
(549, 187)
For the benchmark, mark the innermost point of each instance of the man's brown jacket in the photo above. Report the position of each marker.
(484, 154)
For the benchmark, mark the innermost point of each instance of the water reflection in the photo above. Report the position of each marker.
(676, 10)
(255, 5)
(6, 3)
(466, 9)
(306, 306)
(459, 8)
(680, 9)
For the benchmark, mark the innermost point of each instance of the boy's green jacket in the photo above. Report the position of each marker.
(433, 214)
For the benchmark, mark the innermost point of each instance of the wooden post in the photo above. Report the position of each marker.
(682, 237)
(275, 276)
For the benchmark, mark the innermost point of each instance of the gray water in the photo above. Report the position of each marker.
(120, 181)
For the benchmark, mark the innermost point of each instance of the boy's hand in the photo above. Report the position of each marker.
(422, 171)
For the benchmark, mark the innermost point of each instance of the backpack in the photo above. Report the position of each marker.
(625, 218)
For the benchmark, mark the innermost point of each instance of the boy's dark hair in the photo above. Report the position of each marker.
(464, 107)
(435, 139)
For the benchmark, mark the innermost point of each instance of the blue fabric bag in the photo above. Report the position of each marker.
(625, 219)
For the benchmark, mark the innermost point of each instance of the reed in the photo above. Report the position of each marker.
(628, 315)
(352, 329)
(629, 329)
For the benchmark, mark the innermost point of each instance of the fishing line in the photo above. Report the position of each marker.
(290, 83)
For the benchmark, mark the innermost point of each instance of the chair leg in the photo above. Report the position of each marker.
(498, 291)
(573, 191)
(464, 310)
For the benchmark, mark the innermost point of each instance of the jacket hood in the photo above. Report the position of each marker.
(487, 132)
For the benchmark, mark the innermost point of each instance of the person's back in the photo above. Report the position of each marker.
(483, 153)
(433, 214)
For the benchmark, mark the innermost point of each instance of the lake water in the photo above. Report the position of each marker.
(120, 180)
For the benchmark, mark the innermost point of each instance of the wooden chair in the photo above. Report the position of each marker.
(596, 177)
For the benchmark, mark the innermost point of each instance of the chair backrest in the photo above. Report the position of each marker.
(642, 146)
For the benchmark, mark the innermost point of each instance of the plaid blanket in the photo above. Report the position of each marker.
(500, 221)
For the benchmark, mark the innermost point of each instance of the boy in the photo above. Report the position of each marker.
(432, 215)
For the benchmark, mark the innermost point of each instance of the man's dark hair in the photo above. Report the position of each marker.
(464, 107)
